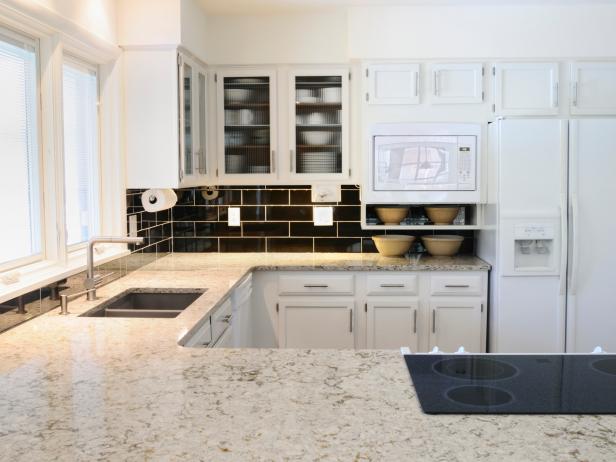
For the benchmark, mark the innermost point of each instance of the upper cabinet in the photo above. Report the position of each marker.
(393, 83)
(318, 124)
(246, 121)
(593, 88)
(526, 89)
(457, 83)
(165, 116)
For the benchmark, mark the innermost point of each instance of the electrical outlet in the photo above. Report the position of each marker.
(234, 216)
(132, 225)
(326, 193)
(323, 216)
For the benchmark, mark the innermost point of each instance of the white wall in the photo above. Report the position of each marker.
(149, 22)
(193, 28)
(524, 31)
(315, 37)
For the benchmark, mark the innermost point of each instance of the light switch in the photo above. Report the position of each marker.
(323, 216)
(234, 216)
(132, 225)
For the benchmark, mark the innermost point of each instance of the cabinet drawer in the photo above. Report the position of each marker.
(456, 285)
(319, 284)
(221, 319)
(397, 284)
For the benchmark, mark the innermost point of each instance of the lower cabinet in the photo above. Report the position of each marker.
(316, 323)
(456, 322)
(392, 323)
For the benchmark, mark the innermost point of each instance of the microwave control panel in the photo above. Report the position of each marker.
(466, 162)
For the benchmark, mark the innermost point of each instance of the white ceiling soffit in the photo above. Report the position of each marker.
(224, 7)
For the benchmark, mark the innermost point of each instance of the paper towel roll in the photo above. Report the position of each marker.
(155, 200)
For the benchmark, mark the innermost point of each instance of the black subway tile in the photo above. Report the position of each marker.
(183, 229)
(337, 245)
(243, 244)
(195, 244)
(367, 245)
(307, 229)
(295, 213)
(349, 197)
(353, 229)
(218, 229)
(276, 244)
(265, 197)
(274, 228)
(347, 213)
(301, 196)
(247, 213)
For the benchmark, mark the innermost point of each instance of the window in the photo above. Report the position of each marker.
(81, 151)
(20, 202)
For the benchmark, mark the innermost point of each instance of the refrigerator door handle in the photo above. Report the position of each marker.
(574, 243)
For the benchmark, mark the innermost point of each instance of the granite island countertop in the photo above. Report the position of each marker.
(76, 388)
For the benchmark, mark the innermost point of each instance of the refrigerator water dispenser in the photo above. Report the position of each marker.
(534, 247)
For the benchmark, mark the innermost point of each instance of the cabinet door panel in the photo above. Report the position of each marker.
(392, 323)
(393, 84)
(318, 123)
(593, 88)
(457, 83)
(455, 323)
(247, 124)
(322, 323)
(526, 88)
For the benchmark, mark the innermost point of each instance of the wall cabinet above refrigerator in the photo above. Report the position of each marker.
(393, 83)
(165, 105)
(523, 89)
(593, 88)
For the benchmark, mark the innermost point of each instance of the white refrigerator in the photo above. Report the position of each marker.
(550, 235)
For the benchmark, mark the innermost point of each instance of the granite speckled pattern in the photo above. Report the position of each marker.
(76, 388)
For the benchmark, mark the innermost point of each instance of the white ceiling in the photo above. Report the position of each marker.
(280, 6)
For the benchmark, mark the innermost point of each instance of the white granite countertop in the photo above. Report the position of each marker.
(77, 388)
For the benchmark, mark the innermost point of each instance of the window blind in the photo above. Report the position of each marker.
(20, 233)
(81, 151)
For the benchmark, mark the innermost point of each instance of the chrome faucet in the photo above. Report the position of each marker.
(91, 281)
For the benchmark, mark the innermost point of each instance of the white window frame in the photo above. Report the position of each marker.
(21, 38)
(87, 66)
(55, 37)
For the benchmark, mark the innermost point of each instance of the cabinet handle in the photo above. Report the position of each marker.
(575, 93)
(417, 84)
(414, 321)
(226, 318)
(291, 160)
(435, 83)
(316, 286)
(273, 161)
(433, 321)
(389, 286)
(457, 286)
(556, 96)
(351, 320)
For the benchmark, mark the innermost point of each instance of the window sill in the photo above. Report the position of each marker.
(39, 274)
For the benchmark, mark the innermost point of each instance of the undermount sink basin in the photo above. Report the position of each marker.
(146, 303)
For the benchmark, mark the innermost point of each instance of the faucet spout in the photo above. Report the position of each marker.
(90, 282)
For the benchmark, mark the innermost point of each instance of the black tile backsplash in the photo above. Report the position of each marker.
(273, 219)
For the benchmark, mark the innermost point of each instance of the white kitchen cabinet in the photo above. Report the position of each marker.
(393, 83)
(456, 322)
(526, 89)
(392, 323)
(165, 105)
(242, 319)
(457, 83)
(593, 88)
(318, 123)
(246, 125)
(326, 322)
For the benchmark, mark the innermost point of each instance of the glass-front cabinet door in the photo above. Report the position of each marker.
(192, 81)
(318, 132)
(246, 124)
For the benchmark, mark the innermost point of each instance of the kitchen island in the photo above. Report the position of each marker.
(80, 388)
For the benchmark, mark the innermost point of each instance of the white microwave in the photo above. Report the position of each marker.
(425, 163)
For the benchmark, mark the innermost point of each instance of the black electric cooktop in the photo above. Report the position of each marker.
(514, 384)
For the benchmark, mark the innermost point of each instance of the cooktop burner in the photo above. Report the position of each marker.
(514, 384)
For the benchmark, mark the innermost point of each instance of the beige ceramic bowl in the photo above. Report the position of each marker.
(442, 245)
(392, 215)
(393, 245)
(442, 215)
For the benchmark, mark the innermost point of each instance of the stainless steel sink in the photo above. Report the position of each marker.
(146, 303)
